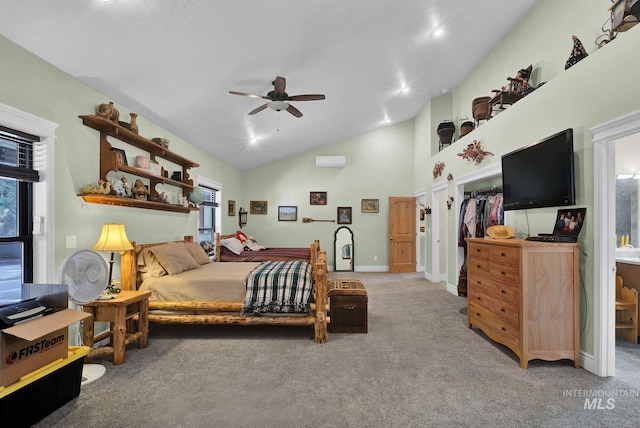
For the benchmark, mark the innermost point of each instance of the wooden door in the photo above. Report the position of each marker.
(402, 234)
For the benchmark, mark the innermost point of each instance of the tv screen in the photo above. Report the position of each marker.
(540, 174)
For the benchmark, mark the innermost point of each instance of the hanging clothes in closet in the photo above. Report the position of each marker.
(477, 213)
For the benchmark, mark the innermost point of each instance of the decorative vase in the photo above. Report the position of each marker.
(133, 124)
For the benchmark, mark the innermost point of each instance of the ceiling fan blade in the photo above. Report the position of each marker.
(279, 84)
(308, 97)
(294, 111)
(244, 94)
(259, 109)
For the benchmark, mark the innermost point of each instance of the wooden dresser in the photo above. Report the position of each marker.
(525, 295)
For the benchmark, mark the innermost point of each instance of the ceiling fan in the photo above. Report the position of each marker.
(278, 98)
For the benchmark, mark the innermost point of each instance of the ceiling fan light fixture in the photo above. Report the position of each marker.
(278, 105)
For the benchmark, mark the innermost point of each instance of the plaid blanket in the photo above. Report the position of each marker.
(283, 286)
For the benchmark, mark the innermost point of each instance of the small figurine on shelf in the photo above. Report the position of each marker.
(117, 188)
(126, 185)
(139, 190)
(133, 125)
(108, 111)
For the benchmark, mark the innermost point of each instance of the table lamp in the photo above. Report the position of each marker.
(113, 238)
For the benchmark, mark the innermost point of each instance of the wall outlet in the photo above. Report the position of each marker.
(71, 241)
(375, 258)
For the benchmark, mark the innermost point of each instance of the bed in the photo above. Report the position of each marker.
(232, 248)
(215, 293)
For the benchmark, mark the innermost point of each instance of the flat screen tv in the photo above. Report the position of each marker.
(541, 174)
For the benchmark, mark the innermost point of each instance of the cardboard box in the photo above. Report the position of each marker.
(28, 346)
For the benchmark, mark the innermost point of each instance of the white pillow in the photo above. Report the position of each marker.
(234, 245)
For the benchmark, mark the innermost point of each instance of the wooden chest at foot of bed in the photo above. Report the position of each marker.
(347, 306)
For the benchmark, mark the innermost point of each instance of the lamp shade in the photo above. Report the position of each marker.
(113, 238)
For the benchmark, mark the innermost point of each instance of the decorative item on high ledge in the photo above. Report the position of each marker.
(450, 177)
(446, 129)
(474, 152)
(578, 53)
(466, 127)
(164, 142)
(437, 169)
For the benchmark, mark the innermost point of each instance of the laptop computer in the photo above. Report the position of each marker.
(567, 226)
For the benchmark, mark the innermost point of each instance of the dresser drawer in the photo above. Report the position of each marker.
(480, 266)
(493, 325)
(505, 273)
(499, 307)
(504, 254)
(486, 285)
(482, 251)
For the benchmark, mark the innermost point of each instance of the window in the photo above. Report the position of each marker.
(209, 216)
(26, 200)
(16, 207)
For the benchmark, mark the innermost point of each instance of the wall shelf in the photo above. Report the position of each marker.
(109, 162)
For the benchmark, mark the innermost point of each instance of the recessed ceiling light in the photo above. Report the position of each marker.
(438, 32)
(404, 89)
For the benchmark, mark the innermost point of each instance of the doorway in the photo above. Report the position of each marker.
(402, 234)
(605, 137)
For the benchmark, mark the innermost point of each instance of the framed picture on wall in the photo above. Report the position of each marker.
(318, 198)
(370, 205)
(258, 207)
(231, 209)
(344, 215)
(287, 213)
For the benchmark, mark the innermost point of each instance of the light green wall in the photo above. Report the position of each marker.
(395, 161)
(590, 93)
(32, 85)
(378, 165)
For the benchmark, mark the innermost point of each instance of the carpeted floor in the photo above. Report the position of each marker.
(419, 366)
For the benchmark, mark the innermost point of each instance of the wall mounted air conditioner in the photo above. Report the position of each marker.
(330, 161)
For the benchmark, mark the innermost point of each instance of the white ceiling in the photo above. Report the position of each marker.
(174, 62)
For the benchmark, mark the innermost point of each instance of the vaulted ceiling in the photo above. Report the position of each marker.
(174, 62)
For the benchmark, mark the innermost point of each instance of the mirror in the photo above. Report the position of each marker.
(343, 249)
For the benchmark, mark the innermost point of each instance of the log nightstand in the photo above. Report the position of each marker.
(126, 305)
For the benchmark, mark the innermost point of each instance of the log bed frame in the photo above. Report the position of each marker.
(229, 312)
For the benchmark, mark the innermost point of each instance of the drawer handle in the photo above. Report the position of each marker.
(503, 255)
(478, 282)
(478, 314)
(349, 307)
(478, 298)
(503, 292)
(477, 250)
(502, 310)
(502, 273)
(503, 329)
(478, 266)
